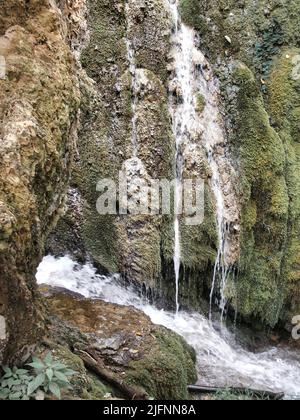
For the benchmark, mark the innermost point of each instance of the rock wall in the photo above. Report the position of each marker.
(140, 247)
(39, 99)
(251, 47)
(131, 244)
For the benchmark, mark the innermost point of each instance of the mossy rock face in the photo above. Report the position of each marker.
(140, 353)
(191, 12)
(268, 154)
(284, 106)
(168, 369)
(126, 244)
(253, 47)
(149, 30)
(39, 100)
(252, 32)
(261, 156)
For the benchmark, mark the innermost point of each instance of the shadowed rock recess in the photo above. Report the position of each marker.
(88, 88)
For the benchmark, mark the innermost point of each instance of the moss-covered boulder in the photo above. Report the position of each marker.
(129, 346)
(265, 204)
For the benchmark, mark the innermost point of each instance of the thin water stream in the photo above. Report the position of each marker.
(192, 80)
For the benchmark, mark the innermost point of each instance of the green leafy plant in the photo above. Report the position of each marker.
(14, 384)
(51, 376)
(46, 376)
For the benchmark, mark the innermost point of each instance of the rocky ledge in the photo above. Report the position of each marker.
(117, 351)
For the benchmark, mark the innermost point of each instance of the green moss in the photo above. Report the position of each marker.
(96, 390)
(201, 103)
(106, 46)
(168, 369)
(257, 30)
(191, 14)
(199, 243)
(80, 381)
(249, 215)
(268, 47)
(284, 105)
(130, 245)
(264, 140)
(101, 135)
(265, 203)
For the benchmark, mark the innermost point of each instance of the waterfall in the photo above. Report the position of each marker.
(134, 88)
(221, 361)
(183, 111)
(193, 78)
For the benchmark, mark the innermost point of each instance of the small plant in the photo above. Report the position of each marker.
(14, 384)
(49, 377)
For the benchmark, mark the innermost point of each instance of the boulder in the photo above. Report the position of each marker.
(127, 347)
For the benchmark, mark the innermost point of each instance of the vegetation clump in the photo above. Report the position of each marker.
(43, 378)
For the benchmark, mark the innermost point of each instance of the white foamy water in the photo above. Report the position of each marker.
(220, 361)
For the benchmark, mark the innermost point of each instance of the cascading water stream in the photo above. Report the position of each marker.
(134, 88)
(193, 77)
(220, 360)
(184, 118)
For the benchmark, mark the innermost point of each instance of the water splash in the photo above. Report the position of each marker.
(220, 360)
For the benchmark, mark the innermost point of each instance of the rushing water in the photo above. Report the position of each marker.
(193, 78)
(220, 360)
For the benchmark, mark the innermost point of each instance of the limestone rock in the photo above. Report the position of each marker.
(38, 106)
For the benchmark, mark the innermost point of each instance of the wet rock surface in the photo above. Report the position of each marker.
(251, 47)
(131, 245)
(141, 354)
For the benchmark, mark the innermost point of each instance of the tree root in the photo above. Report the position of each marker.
(100, 370)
